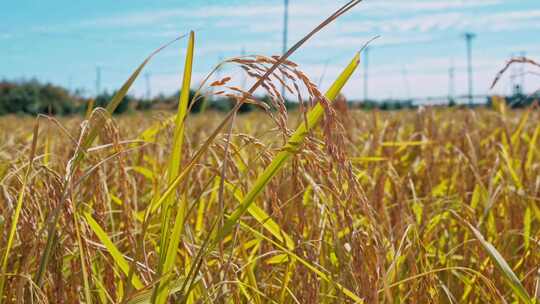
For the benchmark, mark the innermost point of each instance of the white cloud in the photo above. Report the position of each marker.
(312, 8)
(428, 5)
(322, 8)
(131, 19)
(422, 23)
(257, 27)
(448, 21)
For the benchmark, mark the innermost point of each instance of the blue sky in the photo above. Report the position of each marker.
(62, 41)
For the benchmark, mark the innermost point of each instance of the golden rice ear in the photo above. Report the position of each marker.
(292, 147)
(75, 162)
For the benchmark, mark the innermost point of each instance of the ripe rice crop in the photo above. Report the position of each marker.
(388, 222)
(321, 205)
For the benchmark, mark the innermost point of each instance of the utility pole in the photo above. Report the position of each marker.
(244, 78)
(285, 25)
(218, 71)
(366, 73)
(218, 74)
(148, 87)
(405, 75)
(451, 83)
(469, 38)
(285, 36)
(513, 75)
(523, 55)
(70, 83)
(98, 80)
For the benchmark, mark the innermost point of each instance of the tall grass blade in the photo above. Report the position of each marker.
(82, 256)
(168, 246)
(510, 277)
(264, 219)
(532, 147)
(117, 256)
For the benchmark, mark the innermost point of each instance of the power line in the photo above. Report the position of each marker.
(244, 76)
(514, 71)
(366, 73)
(405, 75)
(148, 85)
(323, 74)
(451, 81)
(468, 38)
(285, 25)
(523, 54)
(285, 35)
(98, 80)
(70, 83)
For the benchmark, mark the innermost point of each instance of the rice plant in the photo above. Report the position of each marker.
(319, 205)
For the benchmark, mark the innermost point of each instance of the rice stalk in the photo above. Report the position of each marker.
(17, 212)
(168, 247)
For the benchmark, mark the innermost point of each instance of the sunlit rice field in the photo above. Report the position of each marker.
(321, 204)
(417, 206)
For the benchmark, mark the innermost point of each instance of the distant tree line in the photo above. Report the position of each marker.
(33, 97)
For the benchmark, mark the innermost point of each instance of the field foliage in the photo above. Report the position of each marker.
(432, 205)
(320, 205)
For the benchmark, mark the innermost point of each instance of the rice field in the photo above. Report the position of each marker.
(324, 204)
(418, 206)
